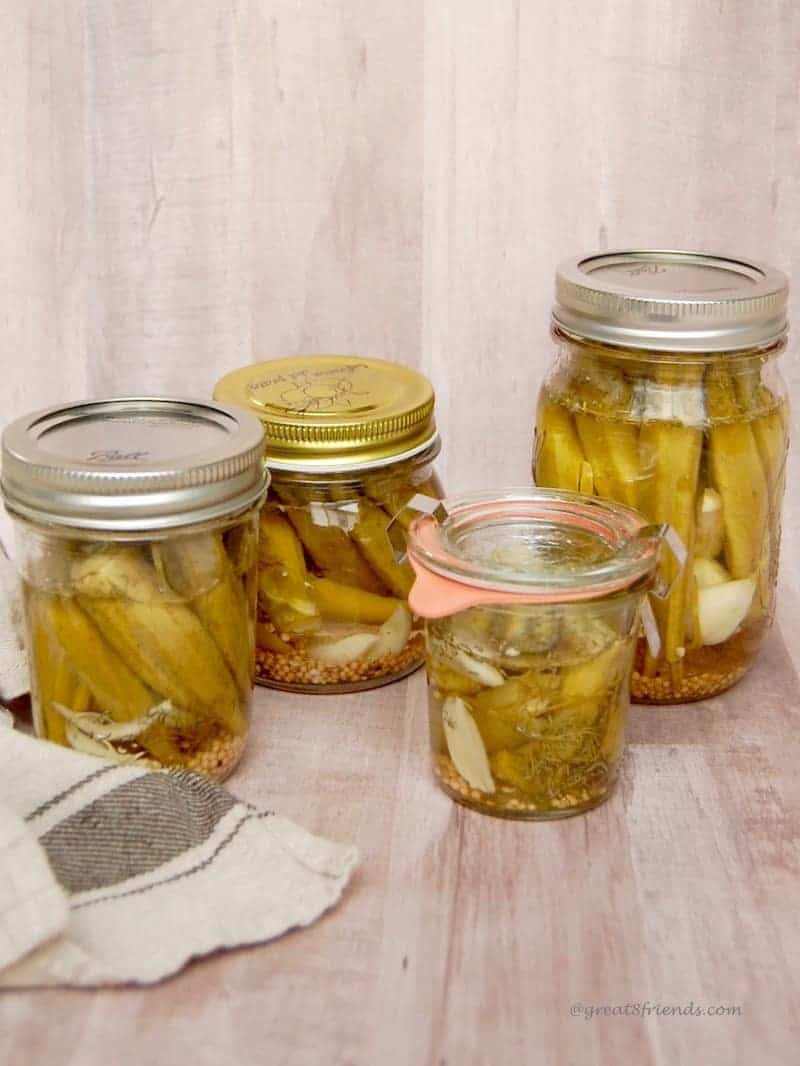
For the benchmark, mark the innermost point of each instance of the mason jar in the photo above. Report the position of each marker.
(136, 523)
(350, 443)
(531, 601)
(665, 395)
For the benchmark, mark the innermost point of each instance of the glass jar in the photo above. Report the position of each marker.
(665, 395)
(531, 603)
(350, 443)
(136, 524)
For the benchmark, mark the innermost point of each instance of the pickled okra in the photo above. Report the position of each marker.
(142, 652)
(282, 578)
(56, 680)
(370, 534)
(699, 444)
(541, 740)
(200, 570)
(610, 445)
(560, 458)
(345, 603)
(333, 586)
(332, 551)
(736, 471)
(670, 463)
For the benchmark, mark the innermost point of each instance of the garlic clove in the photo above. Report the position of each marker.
(465, 745)
(709, 572)
(721, 609)
(710, 525)
(343, 651)
(393, 634)
(483, 672)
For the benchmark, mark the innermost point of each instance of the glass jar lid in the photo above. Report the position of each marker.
(332, 412)
(133, 463)
(528, 546)
(671, 301)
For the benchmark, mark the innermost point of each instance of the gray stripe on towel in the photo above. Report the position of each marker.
(182, 874)
(133, 829)
(50, 803)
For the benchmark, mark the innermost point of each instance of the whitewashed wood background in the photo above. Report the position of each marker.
(187, 185)
(190, 186)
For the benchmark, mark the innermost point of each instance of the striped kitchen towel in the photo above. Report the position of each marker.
(112, 874)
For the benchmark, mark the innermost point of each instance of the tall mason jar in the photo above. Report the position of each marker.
(531, 602)
(350, 443)
(136, 523)
(665, 394)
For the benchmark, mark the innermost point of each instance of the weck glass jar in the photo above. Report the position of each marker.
(136, 524)
(350, 443)
(665, 395)
(531, 602)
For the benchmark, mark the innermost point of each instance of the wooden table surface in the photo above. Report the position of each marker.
(465, 940)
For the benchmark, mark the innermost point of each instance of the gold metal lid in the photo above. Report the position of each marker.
(331, 412)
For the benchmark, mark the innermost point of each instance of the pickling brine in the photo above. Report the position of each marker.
(333, 592)
(528, 704)
(696, 439)
(143, 651)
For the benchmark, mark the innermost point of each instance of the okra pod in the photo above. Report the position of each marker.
(198, 568)
(559, 460)
(346, 603)
(371, 536)
(611, 448)
(162, 642)
(670, 455)
(282, 576)
(738, 475)
(333, 552)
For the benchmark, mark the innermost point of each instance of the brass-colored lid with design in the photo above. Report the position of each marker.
(324, 413)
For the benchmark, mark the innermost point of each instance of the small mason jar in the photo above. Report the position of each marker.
(136, 524)
(350, 443)
(665, 395)
(531, 602)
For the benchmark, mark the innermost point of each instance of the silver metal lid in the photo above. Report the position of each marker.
(671, 301)
(133, 463)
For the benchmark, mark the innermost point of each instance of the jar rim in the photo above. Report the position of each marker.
(354, 466)
(560, 546)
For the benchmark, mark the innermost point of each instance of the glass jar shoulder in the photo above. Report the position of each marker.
(637, 387)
